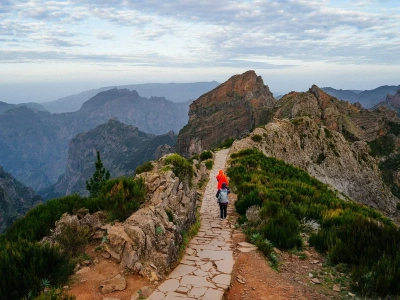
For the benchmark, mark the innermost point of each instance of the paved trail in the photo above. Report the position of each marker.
(204, 273)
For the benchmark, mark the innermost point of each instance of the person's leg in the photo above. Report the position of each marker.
(221, 211)
(224, 211)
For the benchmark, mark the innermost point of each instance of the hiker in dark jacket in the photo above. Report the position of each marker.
(222, 199)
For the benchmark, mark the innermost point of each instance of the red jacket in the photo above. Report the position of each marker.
(221, 177)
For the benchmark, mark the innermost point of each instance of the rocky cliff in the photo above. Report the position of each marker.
(122, 148)
(231, 110)
(15, 199)
(326, 155)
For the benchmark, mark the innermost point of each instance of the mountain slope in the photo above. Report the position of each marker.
(15, 199)
(122, 148)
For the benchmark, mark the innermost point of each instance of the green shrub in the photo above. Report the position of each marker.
(181, 167)
(146, 167)
(227, 143)
(121, 197)
(209, 164)
(382, 146)
(24, 266)
(256, 137)
(206, 155)
(73, 238)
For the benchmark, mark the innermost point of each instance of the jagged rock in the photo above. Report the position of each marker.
(117, 283)
(231, 110)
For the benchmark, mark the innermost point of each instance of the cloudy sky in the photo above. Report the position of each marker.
(59, 47)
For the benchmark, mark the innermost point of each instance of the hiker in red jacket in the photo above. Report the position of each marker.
(221, 178)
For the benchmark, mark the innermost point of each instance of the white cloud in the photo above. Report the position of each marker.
(258, 34)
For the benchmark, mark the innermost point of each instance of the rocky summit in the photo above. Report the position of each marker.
(231, 110)
(353, 121)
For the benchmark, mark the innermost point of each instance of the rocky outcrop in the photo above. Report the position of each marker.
(148, 241)
(122, 148)
(231, 110)
(326, 155)
(354, 122)
(15, 199)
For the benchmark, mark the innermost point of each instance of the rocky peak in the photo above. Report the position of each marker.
(351, 120)
(231, 110)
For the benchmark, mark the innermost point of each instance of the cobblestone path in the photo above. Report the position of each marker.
(205, 270)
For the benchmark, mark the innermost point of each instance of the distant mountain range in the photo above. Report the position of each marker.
(367, 98)
(35, 106)
(33, 144)
(175, 92)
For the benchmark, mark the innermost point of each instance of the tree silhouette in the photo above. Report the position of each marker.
(100, 176)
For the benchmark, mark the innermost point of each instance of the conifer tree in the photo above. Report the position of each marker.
(100, 176)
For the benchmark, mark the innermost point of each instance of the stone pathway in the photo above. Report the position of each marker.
(205, 270)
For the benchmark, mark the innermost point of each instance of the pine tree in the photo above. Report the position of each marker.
(100, 176)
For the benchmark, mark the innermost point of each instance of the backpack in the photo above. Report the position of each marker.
(223, 196)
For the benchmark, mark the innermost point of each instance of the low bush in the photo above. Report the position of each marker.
(73, 238)
(209, 164)
(206, 155)
(256, 137)
(227, 143)
(146, 167)
(382, 146)
(181, 167)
